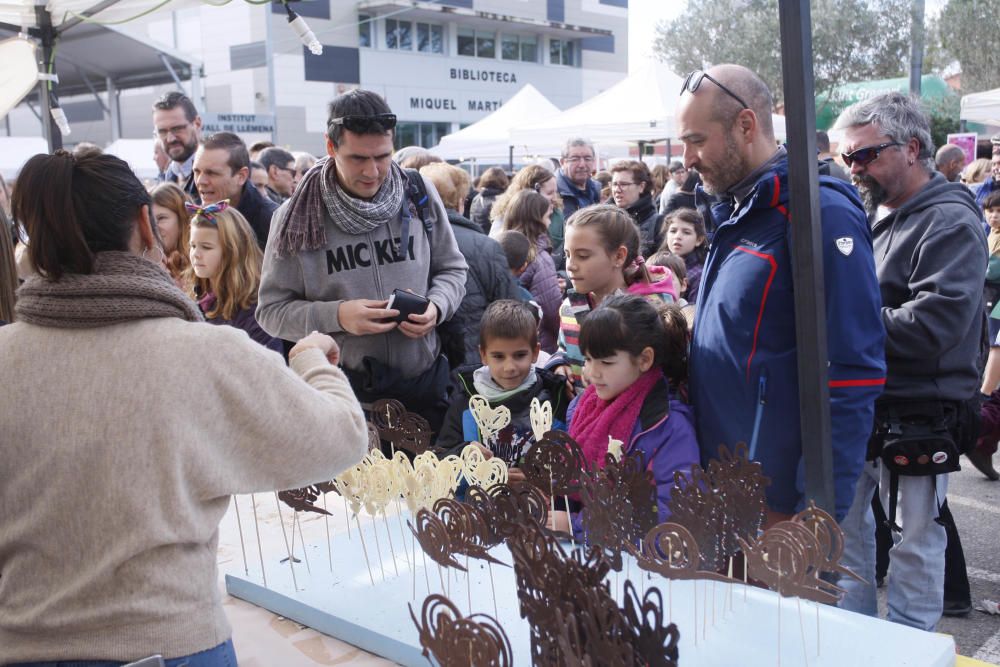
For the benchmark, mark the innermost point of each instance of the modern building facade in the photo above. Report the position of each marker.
(441, 65)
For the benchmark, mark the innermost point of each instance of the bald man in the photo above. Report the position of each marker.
(949, 160)
(743, 368)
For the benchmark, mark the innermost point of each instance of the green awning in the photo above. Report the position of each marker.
(828, 107)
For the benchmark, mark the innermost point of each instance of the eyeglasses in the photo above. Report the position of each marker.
(382, 122)
(694, 79)
(176, 130)
(290, 170)
(579, 158)
(867, 154)
(621, 185)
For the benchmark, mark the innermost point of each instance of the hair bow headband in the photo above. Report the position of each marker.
(207, 212)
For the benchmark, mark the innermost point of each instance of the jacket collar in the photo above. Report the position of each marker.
(568, 188)
(458, 220)
(641, 208)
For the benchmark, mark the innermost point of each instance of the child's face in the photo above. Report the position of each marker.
(206, 252)
(682, 238)
(168, 226)
(613, 375)
(589, 265)
(509, 360)
(993, 218)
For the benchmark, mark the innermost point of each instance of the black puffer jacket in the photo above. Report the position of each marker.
(489, 279)
(482, 204)
(646, 217)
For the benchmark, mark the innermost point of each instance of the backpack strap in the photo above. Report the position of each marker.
(416, 192)
(893, 497)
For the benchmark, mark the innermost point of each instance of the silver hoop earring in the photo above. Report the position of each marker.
(162, 257)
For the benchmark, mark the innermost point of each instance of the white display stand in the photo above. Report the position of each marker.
(741, 626)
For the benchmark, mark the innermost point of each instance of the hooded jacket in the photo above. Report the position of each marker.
(541, 280)
(647, 219)
(664, 433)
(931, 257)
(303, 292)
(743, 367)
(481, 206)
(489, 279)
(459, 428)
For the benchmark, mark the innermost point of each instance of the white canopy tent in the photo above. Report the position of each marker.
(15, 151)
(982, 107)
(79, 45)
(639, 108)
(138, 153)
(489, 139)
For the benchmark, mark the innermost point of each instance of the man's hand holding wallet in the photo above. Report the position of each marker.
(417, 314)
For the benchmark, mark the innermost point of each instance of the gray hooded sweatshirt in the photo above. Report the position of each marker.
(303, 292)
(930, 256)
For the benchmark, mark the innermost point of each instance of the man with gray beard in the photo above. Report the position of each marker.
(930, 255)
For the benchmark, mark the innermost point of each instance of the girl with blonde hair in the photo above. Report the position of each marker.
(225, 269)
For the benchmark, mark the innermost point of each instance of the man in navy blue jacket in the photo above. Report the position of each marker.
(743, 368)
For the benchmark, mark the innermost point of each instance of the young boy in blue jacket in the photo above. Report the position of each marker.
(508, 347)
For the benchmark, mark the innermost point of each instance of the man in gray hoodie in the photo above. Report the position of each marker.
(352, 232)
(930, 255)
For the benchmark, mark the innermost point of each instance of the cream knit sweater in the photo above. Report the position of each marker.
(121, 446)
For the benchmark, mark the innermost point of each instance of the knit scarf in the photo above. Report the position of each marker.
(595, 419)
(122, 288)
(302, 227)
(488, 388)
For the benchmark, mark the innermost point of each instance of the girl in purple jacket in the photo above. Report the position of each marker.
(635, 359)
(225, 269)
(528, 213)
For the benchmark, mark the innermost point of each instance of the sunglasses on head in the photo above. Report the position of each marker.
(694, 79)
(866, 154)
(382, 122)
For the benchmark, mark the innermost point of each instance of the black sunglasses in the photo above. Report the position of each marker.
(867, 154)
(694, 79)
(382, 122)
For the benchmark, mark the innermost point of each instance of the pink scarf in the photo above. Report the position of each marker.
(594, 419)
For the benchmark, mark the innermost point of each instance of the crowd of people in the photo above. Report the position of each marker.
(654, 307)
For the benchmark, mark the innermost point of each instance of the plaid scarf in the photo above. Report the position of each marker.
(302, 227)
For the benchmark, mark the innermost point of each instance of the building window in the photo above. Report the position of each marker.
(430, 38)
(519, 47)
(476, 43)
(420, 134)
(562, 52)
(398, 35)
(364, 30)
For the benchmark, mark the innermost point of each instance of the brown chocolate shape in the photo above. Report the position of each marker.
(671, 551)
(457, 641)
(432, 534)
(467, 531)
(517, 506)
(830, 539)
(404, 430)
(302, 500)
(654, 642)
(555, 464)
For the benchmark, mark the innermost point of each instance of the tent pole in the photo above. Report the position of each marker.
(807, 251)
(510, 159)
(48, 37)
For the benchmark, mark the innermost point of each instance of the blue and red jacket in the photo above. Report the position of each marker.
(743, 367)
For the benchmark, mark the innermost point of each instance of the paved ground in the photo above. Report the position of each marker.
(975, 504)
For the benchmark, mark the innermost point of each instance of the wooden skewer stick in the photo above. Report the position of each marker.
(378, 547)
(284, 534)
(695, 583)
(364, 549)
(392, 549)
(329, 546)
(468, 582)
(348, 518)
(305, 556)
(818, 647)
(260, 550)
(496, 614)
(399, 516)
(802, 629)
(243, 546)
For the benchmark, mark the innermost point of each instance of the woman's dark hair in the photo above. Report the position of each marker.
(495, 178)
(8, 269)
(639, 172)
(694, 218)
(72, 208)
(992, 200)
(630, 323)
(692, 181)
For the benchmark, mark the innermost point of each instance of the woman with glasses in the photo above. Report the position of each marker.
(631, 189)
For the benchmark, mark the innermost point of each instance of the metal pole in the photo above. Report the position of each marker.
(916, 45)
(510, 159)
(115, 110)
(48, 38)
(807, 251)
(271, 87)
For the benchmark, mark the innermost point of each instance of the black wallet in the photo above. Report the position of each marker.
(407, 303)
